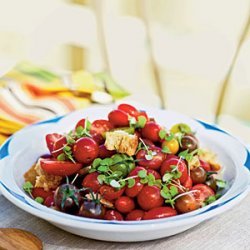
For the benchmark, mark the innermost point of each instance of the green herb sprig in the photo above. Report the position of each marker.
(139, 123)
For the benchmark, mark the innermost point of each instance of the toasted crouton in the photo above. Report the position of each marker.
(122, 142)
(30, 175)
(46, 181)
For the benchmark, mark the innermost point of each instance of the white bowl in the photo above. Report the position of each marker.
(23, 149)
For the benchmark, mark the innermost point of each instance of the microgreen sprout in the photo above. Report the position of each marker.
(150, 153)
(83, 131)
(139, 123)
(28, 187)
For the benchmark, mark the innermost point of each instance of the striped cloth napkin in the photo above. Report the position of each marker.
(29, 93)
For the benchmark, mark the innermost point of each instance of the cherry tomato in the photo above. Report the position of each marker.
(67, 198)
(181, 165)
(189, 142)
(180, 127)
(91, 209)
(211, 182)
(171, 156)
(150, 197)
(104, 152)
(80, 123)
(141, 113)
(118, 118)
(58, 146)
(51, 139)
(49, 201)
(98, 138)
(135, 190)
(151, 131)
(154, 173)
(205, 165)
(159, 213)
(40, 192)
(172, 145)
(186, 203)
(91, 181)
(136, 170)
(59, 168)
(129, 109)
(135, 215)
(113, 215)
(203, 192)
(124, 204)
(85, 150)
(188, 183)
(198, 175)
(110, 193)
(149, 143)
(100, 127)
(155, 162)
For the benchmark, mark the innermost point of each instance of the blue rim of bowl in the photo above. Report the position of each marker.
(4, 152)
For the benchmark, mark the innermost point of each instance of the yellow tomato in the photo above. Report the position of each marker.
(172, 145)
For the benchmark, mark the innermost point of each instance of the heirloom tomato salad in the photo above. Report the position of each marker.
(126, 167)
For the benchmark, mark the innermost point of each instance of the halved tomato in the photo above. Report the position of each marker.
(51, 139)
(60, 168)
(58, 146)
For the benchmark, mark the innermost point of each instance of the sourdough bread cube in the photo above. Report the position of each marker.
(122, 142)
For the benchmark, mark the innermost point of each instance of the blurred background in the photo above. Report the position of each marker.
(190, 56)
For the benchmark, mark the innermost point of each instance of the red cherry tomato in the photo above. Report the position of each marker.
(135, 215)
(51, 139)
(58, 146)
(149, 143)
(49, 201)
(182, 167)
(203, 192)
(188, 183)
(205, 165)
(159, 213)
(91, 181)
(154, 173)
(59, 168)
(118, 118)
(80, 123)
(151, 131)
(110, 193)
(136, 170)
(150, 197)
(135, 190)
(85, 150)
(104, 152)
(40, 192)
(100, 127)
(129, 109)
(170, 156)
(124, 204)
(141, 113)
(112, 215)
(156, 160)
